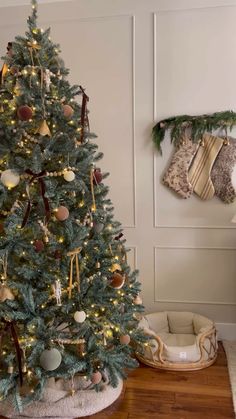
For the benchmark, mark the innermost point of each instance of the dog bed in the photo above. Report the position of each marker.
(178, 341)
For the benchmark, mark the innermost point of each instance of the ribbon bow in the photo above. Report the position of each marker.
(10, 325)
(33, 46)
(4, 69)
(39, 178)
(74, 257)
(84, 116)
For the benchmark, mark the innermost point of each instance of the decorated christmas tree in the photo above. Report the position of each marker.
(69, 303)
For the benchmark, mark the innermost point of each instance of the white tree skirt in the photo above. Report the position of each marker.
(57, 402)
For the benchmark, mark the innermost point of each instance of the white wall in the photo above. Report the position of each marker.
(142, 60)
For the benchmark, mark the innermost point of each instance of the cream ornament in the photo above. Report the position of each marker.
(138, 300)
(69, 175)
(5, 293)
(10, 178)
(50, 359)
(80, 316)
(44, 129)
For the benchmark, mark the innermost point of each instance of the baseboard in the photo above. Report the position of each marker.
(226, 331)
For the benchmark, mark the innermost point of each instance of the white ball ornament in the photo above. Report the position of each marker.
(10, 178)
(80, 316)
(50, 359)
(69, 175)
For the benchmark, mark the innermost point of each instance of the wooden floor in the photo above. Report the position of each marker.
(152, 394)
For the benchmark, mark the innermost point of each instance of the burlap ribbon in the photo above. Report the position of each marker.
(74, 258)
(33, 46)
(39, 178)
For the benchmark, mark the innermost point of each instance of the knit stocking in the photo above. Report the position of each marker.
(222, 170)
(176, 176)
(199, 173)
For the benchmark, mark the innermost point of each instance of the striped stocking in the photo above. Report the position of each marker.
(200, 170)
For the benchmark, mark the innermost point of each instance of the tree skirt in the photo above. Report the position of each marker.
(230, 350)
(58, 403)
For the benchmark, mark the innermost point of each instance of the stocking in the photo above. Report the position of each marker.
(176, 176)
(199, 173)
(221, 174)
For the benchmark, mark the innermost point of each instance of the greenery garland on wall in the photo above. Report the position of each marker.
(177, 125)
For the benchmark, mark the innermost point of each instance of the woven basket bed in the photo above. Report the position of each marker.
(178, 341)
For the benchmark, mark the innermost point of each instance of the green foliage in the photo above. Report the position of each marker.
(197, 125)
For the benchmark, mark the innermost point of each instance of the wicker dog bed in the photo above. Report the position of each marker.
(178, 341)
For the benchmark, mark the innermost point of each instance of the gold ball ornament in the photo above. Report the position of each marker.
(80, 316)
(124, 339)
(5, 293)
(68, 111)
(96, 377)
(62, 213)
(10, 178)
(69, 175)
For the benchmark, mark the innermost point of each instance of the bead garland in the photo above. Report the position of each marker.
(68, 341)
(32, 69)
(50, 174)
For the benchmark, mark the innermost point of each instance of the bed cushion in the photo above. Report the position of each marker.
(189, 353)
(180, 322)
(158, 323)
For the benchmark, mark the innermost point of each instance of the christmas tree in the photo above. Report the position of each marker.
(69, 303)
